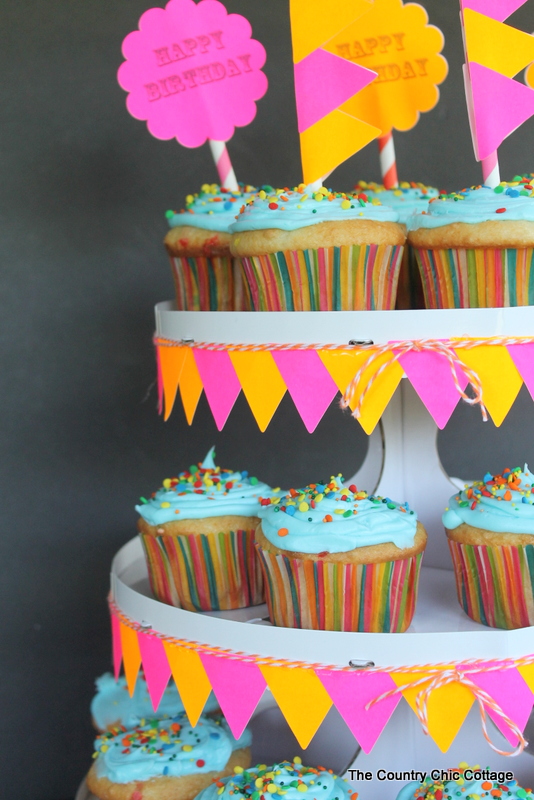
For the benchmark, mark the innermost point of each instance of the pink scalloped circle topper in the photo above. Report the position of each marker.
(192, 72)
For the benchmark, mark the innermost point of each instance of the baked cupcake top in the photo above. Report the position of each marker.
(289, 779)
(205, 490)
(327, 517)
(163, 747)
(512, 201)
(499, 503)
(213, 208)
(112, 703)
(290, 210)
(406, 199)
(471, 783)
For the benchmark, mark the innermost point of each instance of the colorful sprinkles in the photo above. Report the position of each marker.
(472, 783)
(277, 197)
(161, 737)
(262, 781)
(508, 487)
(204, 481)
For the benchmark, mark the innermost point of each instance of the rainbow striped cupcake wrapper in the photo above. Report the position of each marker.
(327, 596)
(347, 278)
(478, 278)
(204, 572)
(209, 284)
(495, 585)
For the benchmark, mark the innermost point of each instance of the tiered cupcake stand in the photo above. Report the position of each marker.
(402, 462)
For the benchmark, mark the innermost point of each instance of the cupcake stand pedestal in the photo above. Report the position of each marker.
(403, 459)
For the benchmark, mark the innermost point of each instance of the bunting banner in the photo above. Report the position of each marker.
(440, 695)
(487, 372)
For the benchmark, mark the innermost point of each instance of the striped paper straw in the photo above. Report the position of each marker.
(220, 154)
(490, 170)
(388, 161)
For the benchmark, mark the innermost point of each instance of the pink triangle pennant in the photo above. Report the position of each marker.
(156, 666)
(431, 377)
(238, 687)
(523, 357)
(496, 9)
(511, 693)
(500, 105)
(308, 382)
(350, 693)
(323, 82)
(220, 382)
(116, 645)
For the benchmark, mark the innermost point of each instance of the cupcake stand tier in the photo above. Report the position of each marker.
(402, 451)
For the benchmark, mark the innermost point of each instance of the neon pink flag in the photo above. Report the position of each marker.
(496, 9)
(350, 693)
(220, 382)
(323, 82)
(500, 105)
(308, 382)
(116, 645)
(238, 687)
(155, 665)
(523, 357)
(511, 693)
(192, 72)
(431, 377)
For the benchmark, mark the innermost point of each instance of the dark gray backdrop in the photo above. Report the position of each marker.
(83, 191)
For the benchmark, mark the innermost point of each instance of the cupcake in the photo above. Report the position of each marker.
(288, 778)
(475, 248)
(337, 559)
(206, 277)
(468, 782)
(406, 199)
(164, 759)
(112, 705)
(318, 251)
(490, 528)
(198, 536)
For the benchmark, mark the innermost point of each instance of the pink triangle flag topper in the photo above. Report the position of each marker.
(238, 687)
(220, 381)
(500, 106)
(116, 645)
(508, 689)
(155, 665)
(323, 82)
(431, 377)
(351, 692)
(308, 382)
(496, 9)
(523, 357)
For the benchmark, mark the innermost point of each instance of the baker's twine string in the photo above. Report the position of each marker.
(436, 676)
(448, 349)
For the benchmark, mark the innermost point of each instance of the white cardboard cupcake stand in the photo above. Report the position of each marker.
(403, 453)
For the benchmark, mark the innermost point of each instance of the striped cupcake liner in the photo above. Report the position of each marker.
(347, 278)
(481, 278)
(327, 596)
(209, 284)
(495, 585)
(204, 572)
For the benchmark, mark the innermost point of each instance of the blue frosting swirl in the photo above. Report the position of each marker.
(331, 518)
(406, 199)
(508, 201)
(212, 208)
(499, 503)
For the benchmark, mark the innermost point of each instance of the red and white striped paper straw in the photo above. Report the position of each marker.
(388, 161)
(220, 154)
(490, 170)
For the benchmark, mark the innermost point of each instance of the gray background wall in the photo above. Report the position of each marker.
(83, 191)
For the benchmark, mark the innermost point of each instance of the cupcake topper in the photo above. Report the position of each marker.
(395, 41)
(193, 73)
(494, 53)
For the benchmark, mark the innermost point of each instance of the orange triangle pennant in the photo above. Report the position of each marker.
(131, 655)
(497, 46)
(302, 699)
(343, 365)
(190, 385)
(448, 707)
(498, 375)
(313, 23)
(190, 678)
(171, 360)
(262, 384)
